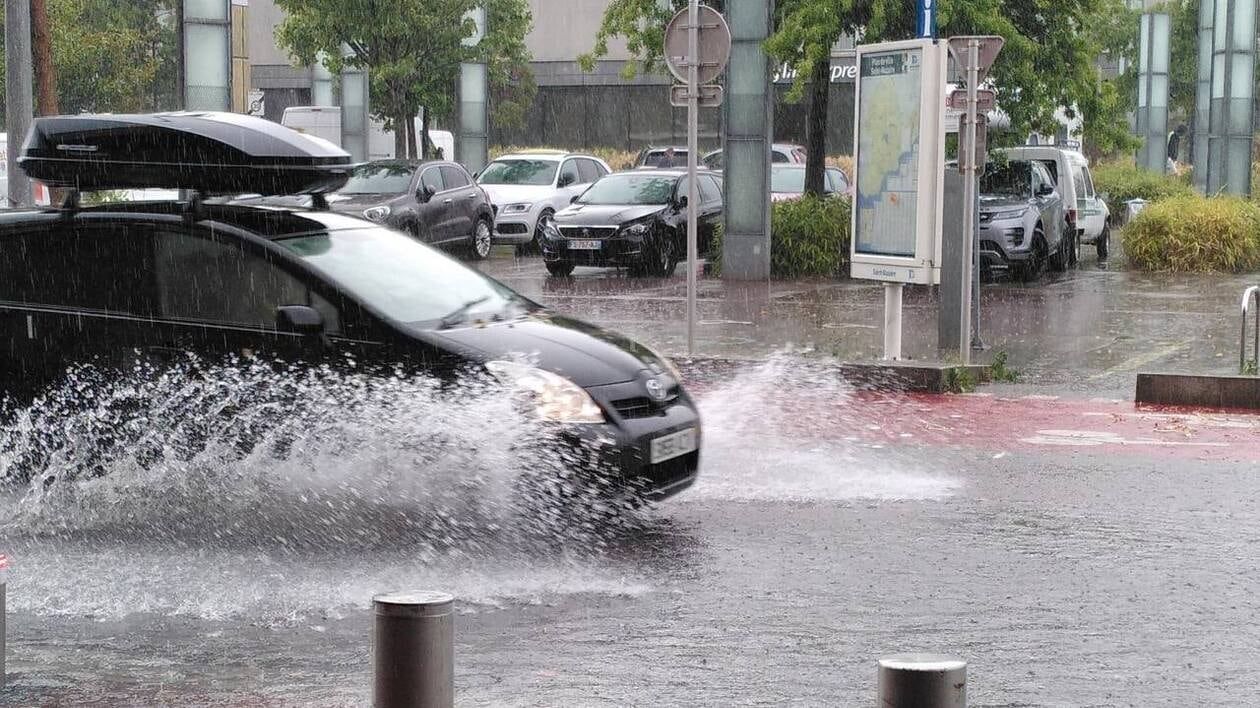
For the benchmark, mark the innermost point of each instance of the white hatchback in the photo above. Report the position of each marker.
(528, 188)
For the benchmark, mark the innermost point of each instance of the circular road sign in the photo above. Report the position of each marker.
(714, 42)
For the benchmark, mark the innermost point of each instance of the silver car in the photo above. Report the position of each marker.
(1021, 219)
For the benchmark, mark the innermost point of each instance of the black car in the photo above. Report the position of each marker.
(298, 285)
(437, 202)
(635, 220)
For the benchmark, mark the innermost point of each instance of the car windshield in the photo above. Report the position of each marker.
(380, 178)
(630, 189)
(660, 158)
(1011, 179)
(404, 279)
(535, 172)
(787, 181)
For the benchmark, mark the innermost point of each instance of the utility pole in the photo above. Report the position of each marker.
(18, 103)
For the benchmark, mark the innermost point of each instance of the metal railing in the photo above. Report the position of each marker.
(1250, 298)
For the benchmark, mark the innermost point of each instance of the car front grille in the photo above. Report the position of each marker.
(588, 231)
(512, 228)
(642, 406)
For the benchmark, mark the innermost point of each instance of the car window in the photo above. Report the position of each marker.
(404, 279)
(588, 171)
(432, 179)
(780, 157)
(714, 160)
(569, 173)
(1089, 182)
(709, 189)
(838, 183)
(205, 279)
(380, 178)
(663, 158)
(103, 268)
(530, 172)
(1078, 182)
(787, 180)
(454, 177)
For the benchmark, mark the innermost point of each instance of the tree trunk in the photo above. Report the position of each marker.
(400, 137)
(41, 50)
(816, 136)
(416, 150)
(424, 135)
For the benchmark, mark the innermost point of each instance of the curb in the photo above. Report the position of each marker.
(901, 377)
(1199, 390)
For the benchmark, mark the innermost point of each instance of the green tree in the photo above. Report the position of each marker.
(411, 49)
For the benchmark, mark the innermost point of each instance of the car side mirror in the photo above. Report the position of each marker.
(1105, 196)
(424, 194)
(682, 202)
(1045, 190)
(574, 198)
(299, 319)
(565, 181)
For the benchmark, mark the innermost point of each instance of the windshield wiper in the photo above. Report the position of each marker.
(457, 316)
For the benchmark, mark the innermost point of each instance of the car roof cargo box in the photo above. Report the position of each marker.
(211, 153)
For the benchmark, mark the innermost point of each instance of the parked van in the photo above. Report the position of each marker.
(1086, 211)
(325, 122)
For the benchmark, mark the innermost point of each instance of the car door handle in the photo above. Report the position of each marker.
(448, 201)
(471, 196)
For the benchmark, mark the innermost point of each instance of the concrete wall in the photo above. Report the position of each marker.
(564, 29)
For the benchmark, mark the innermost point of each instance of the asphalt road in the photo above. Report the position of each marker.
(1075, 551)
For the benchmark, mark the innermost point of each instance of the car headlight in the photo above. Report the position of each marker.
(377, 213)
(517, 208)
(1009, 214)
(637, 230)
(553, 397)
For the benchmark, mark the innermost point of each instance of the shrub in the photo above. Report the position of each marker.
(809, 236)
(1122, 181)
(1195, 234)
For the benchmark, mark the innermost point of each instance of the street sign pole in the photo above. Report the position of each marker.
(967, 157)
(693, 147)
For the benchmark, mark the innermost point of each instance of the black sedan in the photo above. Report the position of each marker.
(436, 202)
(634, 220)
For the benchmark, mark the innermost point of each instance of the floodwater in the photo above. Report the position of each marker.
(156, 564)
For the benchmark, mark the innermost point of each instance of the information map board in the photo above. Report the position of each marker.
(899, 157)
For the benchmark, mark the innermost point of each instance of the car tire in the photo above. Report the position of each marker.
(1103, 245)
(482, 239)
(536, 244)
(560, 269)
(1032, 269)
(1075, 260)
(1062, 255)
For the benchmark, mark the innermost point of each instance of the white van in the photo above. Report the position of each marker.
(325, 122)
(1087, 211)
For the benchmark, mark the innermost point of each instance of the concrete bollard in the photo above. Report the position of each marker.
(4, 583)
(922, 681)
(415, 650)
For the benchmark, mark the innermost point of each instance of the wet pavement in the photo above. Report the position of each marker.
(1086, 331)
(1076, 551)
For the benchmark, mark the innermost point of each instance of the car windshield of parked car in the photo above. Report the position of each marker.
(401, 277)
(532, 172)
(630, 189)
(787, 181)
(379, 178)
(1012, 179)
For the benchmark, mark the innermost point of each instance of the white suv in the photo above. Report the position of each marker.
(528, 188)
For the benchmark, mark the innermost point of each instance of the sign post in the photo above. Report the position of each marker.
(899, 151)
(697, 47)
(974, 55)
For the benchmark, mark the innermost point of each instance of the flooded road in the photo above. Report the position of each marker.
(827, 529)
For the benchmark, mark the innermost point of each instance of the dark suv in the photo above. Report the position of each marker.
(162, 279)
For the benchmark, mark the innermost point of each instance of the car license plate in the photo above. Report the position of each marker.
(585, 245)
(667, 447)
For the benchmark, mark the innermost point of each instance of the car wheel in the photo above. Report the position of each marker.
(1036, 263)
(536, 245)
(1103, 244)
(1075, 261)
(560, 269)
(660, 261)
(482, 239)
(1062, 255)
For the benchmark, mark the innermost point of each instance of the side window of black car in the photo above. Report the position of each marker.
(432, 179)
(709, 191)
(454, 177)
(206, 278)
(95, 267)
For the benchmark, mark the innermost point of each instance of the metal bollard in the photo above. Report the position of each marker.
(4, 583)
(922, 681)
(415, 650)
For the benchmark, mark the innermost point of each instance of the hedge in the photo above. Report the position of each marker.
(1195, 234)
(1122, 181)
(809, 237)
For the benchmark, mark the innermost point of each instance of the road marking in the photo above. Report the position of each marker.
(1091, 438)
(1141, 360)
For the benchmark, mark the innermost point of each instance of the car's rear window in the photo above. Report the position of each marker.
(529, 172)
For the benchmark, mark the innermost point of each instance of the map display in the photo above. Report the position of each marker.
(886, 203)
